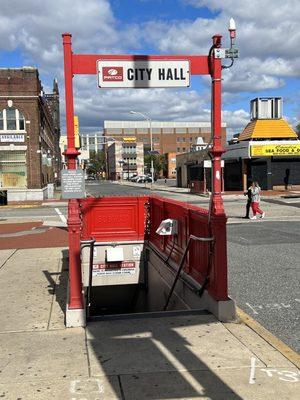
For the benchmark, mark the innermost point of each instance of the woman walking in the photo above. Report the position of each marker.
(255, 200)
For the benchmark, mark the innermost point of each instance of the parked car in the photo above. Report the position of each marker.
(134, 178)
(144, 178)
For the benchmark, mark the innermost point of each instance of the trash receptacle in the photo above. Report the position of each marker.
(3, 197)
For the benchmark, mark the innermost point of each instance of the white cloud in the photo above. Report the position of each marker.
(235, 120)
(36, 27)
(268, 38)
(93, 105)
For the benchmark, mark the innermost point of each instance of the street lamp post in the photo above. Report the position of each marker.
(147, 118)
(121, 162)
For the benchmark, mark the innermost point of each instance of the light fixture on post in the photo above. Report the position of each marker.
(147, 118)
(121, 162)
(215, 56)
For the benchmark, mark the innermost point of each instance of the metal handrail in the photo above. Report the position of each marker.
(191, 237)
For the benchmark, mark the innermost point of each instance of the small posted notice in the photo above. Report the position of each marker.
(115, 268)
(72, 184)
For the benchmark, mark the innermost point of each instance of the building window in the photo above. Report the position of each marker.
(168, 130)
(178, 149)
(129, 131)
(113, 131)
(191, 139)
(13, 172)
(11, 119)
(143, 131)
(194, 130)
(183, 149)
(156, 131)
(180, 130)
(1, 121)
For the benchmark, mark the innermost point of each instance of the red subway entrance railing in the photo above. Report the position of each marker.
(112, 219)
(193, 220)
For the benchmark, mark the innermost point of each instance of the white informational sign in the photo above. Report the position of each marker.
(136, 252)
(143, 73)
(207, 164)
(11, 138)
(113, 269)
(72, 184)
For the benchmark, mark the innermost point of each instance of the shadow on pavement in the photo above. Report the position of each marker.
(152, 359)
(58, 281)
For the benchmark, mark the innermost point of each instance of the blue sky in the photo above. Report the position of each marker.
(269, 64)
(144, 10)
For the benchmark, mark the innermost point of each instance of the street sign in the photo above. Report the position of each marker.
(143, 73)
(72, 184)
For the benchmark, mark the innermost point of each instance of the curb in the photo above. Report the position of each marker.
(284, 349)
(21, 206)
(155, 187)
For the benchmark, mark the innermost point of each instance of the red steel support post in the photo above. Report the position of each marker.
(75, 300)
(217, 207)
(218, 278)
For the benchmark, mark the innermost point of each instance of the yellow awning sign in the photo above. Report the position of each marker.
(129, 139)
(76, 132)
(275, 150)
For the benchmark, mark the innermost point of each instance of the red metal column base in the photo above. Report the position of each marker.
(218, 277)
(75, 281)
(216, 202)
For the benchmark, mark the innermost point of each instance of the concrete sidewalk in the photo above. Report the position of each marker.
(174, 356)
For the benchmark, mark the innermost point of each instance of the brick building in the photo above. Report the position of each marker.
(29, 134)
(168, 137)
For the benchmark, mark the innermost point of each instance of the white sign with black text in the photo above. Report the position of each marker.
(11, 138)
(143, 73)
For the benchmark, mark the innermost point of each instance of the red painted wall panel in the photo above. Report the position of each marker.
(114, 218)
(111, 219)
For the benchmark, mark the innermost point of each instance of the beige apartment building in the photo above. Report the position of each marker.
(124, 160)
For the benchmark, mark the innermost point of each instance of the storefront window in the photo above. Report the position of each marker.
(13, 172)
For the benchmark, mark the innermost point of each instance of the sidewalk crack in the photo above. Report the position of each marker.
(53, 296)
(87, 354)
(1, 267)
(244, 345)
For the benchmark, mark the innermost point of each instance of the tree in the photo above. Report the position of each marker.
(96, 163)
(298, 130)
(159, 163)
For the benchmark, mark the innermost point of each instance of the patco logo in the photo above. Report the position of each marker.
(112, 71)
(112, 74)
